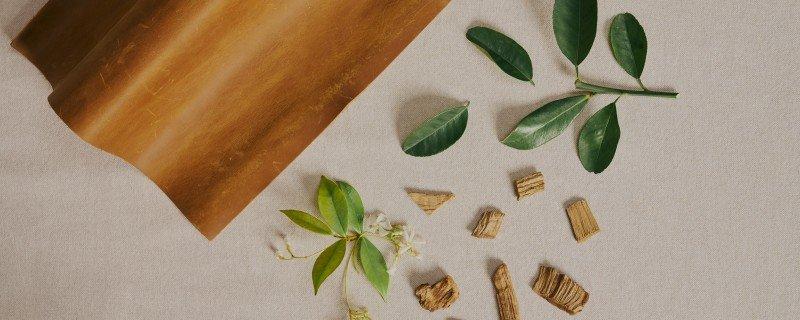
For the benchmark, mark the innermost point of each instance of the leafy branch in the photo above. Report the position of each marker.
(342, 218)
(575, 28)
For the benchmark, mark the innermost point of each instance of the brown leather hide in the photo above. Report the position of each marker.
(213, 99)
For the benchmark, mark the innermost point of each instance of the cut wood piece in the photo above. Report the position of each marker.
(530, 185)
(489, 225)
(438, 296)
(430, 202)
(583, 223)
(506, 297)
(558, 289)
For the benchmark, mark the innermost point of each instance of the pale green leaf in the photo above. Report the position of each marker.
(307, 221)
(327, 262)
(333, 205)
(355, 207)
(374, 266)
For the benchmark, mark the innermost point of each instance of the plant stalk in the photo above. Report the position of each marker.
(580, 85)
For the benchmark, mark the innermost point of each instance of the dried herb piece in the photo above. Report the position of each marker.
(583, 223)
(438, 133)
(430, 202)
(558, 289)
(438, 296)
(530, 185)
(504, 51)
(489, 225)
(546, 123)
(506, 297)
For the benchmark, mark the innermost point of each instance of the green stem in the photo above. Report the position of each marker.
(641, 84)
(580, 85)
(344, 278)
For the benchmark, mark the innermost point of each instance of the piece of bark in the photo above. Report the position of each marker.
(439, 295)
(430, 202)
(583, 223)
(530, 185)
(489, 225)
(559, 289)
(506, 297)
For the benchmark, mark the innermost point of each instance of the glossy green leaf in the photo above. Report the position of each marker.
(374, 266)
(504, 51)
(575, 27)
(333, 205)
(437, 133)
(307, 221)
(628, 44)
(327, 262)
(355, 207)
(598, 139)
(545, 123)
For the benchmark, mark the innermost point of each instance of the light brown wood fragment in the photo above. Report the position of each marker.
(559, 289)
(530, 185)
(489, 225)
(506, 297)
(438, 296)
(583, 223)
(430, 202)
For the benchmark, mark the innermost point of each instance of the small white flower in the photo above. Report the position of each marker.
(378, 224)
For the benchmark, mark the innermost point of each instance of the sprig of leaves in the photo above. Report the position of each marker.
(575, 27)
(342, 218)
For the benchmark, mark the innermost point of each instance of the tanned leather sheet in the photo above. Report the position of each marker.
(213, 99)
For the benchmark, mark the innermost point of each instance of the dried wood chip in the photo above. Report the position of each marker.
(430, 202)
(506, 297)
(560, 290)
(530, 185)
(489, 225)
(583, 223)
(438, 296)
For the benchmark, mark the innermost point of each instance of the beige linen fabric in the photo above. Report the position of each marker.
(697, 210)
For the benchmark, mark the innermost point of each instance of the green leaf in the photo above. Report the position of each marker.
(374, 266)
(437, 133)
(307, 221)
(628, 44)
(504, 51)
(598, 139)
(355, 206)
(545, 123)
(327, 262)
(332, 203)
(575, 26)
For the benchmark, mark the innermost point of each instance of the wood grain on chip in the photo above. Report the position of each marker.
(507, 304)
(582, 220)
(213, 99)
(430, 202)
(560, 290)
(529, 185)
(440, 295)
(489, 225)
